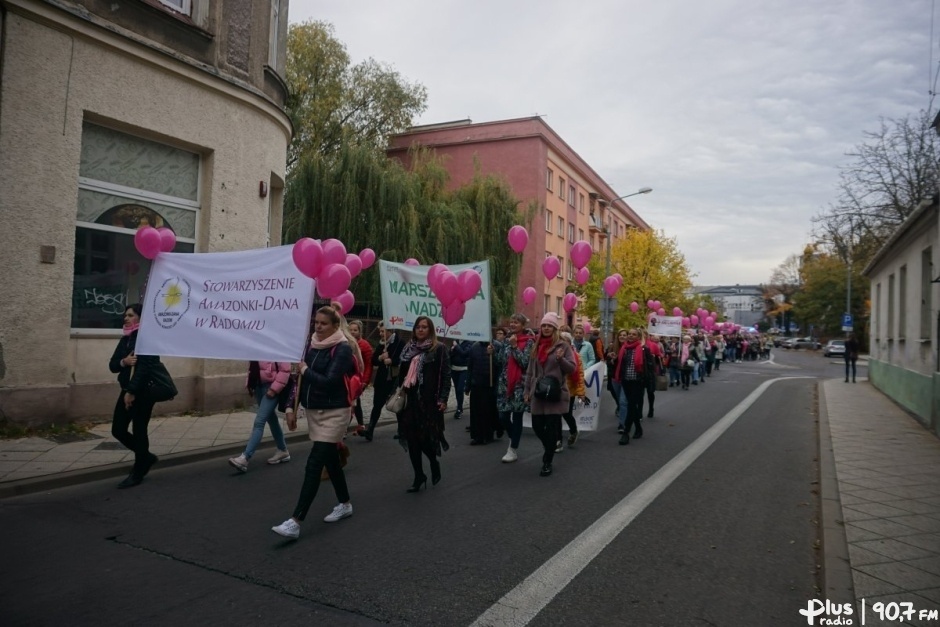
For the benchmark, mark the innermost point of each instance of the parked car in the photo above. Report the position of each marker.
(834, 347)
(779, 340)
(801, 342)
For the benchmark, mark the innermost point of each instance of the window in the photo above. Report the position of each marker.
(570, 233)
(593, 247)
(550, 180)
(561, 267)
(878, 311)
(548, 221)
(570, 271)
(561, 227)
(926, 293)
(902, 302)
(561, 187)
(275, 33)
(546, 301)
(125, 182)
(571, 194)
(581, 203)
(580, 235)
(558, 300)
(180, 6)
(890, 306)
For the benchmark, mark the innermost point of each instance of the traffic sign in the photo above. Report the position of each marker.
(847, 324)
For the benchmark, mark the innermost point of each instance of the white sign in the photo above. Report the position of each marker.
(587, 415)
(247, 305)
(668, 326)
(406, 295)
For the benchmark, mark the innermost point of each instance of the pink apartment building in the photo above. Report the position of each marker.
(573, 200)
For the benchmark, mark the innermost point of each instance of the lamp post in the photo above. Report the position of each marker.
(607, 303)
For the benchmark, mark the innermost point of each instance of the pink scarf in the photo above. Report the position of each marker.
(131, 329)
(329, 342)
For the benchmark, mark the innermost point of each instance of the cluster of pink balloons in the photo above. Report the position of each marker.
(150, 242)
(453, 290)
(518, 237)
(333, 269)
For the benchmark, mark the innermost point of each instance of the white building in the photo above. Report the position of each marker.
(740, 304)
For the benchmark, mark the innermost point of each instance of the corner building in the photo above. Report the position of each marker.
(115, 115)
(574, 202)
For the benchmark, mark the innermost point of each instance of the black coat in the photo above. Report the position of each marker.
(141, 372)
(323, 384)
(386, 377)
(482, 367)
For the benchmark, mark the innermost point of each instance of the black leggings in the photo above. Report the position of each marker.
(546, 428)
(417, 448)
(686, 376)
(137, 416)
(322, 455)
(847, 363)
(569, 419)
(633, 391)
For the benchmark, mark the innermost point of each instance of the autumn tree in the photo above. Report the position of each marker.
(652, 268)
(332, 102)
(820, 301)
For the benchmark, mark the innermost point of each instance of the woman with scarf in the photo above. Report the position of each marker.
(133, 407)
(551, 357)
(385, 360)
(687, 361)
(634, 368)
(613, 382)
(513, 358)
(326, 405)
(425, 374)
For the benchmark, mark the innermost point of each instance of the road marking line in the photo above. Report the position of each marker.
(523, 603)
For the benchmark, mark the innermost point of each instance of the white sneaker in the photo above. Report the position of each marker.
(279, 457)
(558, 447)
(341, 511)
(289, 529)
(240, 462)
(510, 456)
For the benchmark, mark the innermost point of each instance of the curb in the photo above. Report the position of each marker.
(86, 475)
(838, 585)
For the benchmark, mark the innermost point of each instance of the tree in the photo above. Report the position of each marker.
(652, 267)
(821, 299)
(331, 102)
(785, 283)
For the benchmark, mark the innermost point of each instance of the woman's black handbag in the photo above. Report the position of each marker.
(548, 388)
(161, 387)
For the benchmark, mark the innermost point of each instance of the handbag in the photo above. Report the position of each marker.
(661, 382)
(161, 387)
(397, 401)
(548, 388)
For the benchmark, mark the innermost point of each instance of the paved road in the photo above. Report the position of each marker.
(687, 526)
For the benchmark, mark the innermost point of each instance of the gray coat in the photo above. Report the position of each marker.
(558, 368)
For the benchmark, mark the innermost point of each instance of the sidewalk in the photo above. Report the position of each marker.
(34, 464)
(880, 485)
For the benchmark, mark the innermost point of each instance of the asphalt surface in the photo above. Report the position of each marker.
(731, 540)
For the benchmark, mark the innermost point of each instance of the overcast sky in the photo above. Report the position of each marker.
(737, 113)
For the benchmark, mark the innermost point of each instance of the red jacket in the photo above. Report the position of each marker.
(366, 349)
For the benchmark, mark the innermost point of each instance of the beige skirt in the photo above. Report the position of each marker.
(326, 425)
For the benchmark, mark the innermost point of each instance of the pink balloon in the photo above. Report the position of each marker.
(308, 257)
(334, 251)
(353, 264)
(619, 278)
(518, 238)
(709, 321)
(453, 313)
(367, 257)
(434, 273)
(714, 315)
(346, 301)
(657, 305)
(587, 327)
(448, 289)
(694, 320)
(634, 306)
(611, 286)
(569, 302)
(582, 276)
(649, 304)
(411, 261)
(580, 254)
(551, 267)
(676, 311)
(470, 283)
(528, 295)
(333, 280)
(660, 312)
(167, 239)
(686, 322)
(147, 240)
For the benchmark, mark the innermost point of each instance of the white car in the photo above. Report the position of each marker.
(834, 347)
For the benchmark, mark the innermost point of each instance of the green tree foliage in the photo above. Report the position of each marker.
(367, 200)
(652, 267)
(820, 301)
(332, 102)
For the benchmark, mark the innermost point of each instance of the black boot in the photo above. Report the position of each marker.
(435, 471)
(131, 480)
(420, 480)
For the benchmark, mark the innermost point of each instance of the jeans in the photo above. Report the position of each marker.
(137, 416)
(267, 414)
(622, 407)
(673, 375)
(695, 373)
(322, 455)
(849, 362)
(459, 377)
(512, 423)
(546, 428)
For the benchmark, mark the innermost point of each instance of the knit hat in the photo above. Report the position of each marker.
(551, 318)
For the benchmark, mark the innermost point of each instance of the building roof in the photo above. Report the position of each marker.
(926, 207)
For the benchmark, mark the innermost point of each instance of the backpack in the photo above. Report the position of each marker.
(355, 386)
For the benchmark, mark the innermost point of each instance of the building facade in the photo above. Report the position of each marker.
(904, 355)
(573, 202)
(741, 304)
(115, 115)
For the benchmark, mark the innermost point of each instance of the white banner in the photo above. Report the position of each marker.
(587, 415)
(669, 326)
(406, 295)
(247, 305)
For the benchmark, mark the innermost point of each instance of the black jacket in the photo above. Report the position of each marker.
(386, 376)
(436, 376)
(649, 365)
(482, 367)
(134, 384)
(460, 353)
(323, 384)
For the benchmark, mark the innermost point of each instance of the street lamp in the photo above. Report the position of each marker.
(608, 303)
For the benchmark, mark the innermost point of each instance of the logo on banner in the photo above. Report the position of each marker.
(171, 302)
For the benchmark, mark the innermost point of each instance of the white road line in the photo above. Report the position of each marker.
(523, 603)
